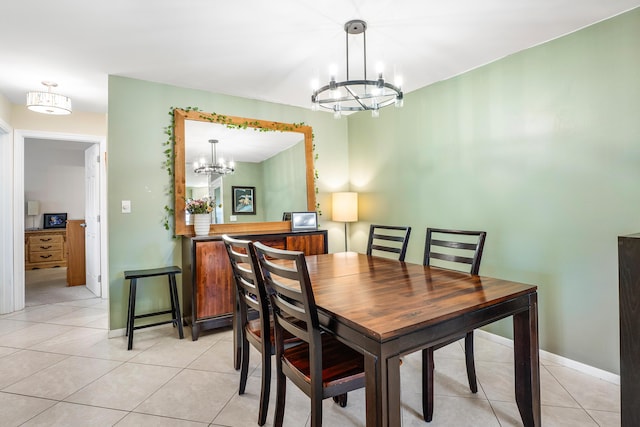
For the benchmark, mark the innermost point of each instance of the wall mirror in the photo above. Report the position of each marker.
(274, 158)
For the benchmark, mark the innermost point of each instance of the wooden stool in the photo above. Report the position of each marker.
(133, 276)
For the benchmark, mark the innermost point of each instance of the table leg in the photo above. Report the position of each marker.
(527, 364)
(382, 391)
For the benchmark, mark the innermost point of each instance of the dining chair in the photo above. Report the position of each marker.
(258, 331)
(388, 238)
(455, 250)
(321, 366)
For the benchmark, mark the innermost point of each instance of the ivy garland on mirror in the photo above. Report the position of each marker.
(169, 153)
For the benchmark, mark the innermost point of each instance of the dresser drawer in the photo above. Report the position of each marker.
(46, 240)
(44, 246)
(46, 256)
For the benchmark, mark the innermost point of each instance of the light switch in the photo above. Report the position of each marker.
(126, 206)
(233, 218)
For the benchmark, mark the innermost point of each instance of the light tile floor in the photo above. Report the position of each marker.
(58, 368)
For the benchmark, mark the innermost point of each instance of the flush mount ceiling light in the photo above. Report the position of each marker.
(356, 95)
(215, 167)
(48, 102)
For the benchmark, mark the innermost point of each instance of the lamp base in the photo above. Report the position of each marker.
(345, 237)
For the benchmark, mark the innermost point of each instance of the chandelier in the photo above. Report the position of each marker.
(356, 95)
(48, 102)
(215, 167)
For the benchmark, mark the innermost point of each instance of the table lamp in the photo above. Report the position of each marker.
(345, 209)
(33, 206)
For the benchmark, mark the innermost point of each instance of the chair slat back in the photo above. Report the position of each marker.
(294, 309)
(461, 249)
(390, 239)
(250, 287)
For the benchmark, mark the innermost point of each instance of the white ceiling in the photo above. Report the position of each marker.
(267, 50)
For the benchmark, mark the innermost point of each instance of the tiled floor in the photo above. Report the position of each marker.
(58, 368)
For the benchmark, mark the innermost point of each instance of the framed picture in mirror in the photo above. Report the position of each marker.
(304, 221)
(243, 200)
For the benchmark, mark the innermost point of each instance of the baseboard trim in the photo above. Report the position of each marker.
(117, 333)
(560, 360)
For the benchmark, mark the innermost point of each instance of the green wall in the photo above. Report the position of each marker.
(137, 116)
(279, 172)
(542, 150)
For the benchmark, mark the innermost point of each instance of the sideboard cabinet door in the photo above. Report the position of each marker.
(312, 244)
(214, 280)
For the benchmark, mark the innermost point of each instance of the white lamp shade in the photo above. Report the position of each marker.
(48, 103)
(345, 207)
(33, 206)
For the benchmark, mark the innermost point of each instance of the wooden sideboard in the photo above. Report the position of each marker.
(629, 295)
(45, 248)
(208, 291)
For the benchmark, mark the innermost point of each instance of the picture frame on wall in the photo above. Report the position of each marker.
(243, 200)
(55, 220)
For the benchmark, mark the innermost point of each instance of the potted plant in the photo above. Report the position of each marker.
(201, 210)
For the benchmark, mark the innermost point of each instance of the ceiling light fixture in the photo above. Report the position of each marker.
(48, 102)
(215, 167)
(356, 95)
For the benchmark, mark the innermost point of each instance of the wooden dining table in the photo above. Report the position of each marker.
(386, 309)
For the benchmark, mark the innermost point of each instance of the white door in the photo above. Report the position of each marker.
(92, 219)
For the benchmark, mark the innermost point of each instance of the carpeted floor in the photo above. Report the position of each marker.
(49, 285)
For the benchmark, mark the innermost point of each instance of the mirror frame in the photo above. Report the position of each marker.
(241, 123)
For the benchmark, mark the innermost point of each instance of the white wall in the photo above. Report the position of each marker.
(54, 176)
(5, 109)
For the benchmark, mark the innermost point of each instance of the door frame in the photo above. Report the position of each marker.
(7, 277)
(18, 204)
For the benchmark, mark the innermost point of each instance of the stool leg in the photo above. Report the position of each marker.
(172, 298)
(128, 311)
(132, 312)
(175, 304)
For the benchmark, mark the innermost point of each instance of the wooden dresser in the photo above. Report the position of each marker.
(45, 248)
(208, 291)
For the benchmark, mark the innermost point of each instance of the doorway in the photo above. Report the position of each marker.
(56, 183)
(19, 204)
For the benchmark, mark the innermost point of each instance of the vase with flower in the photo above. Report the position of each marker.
(201, 210)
